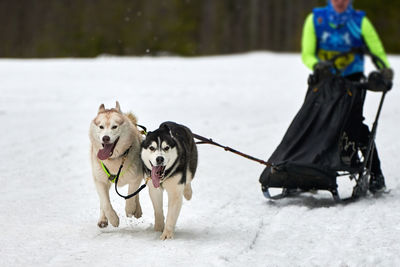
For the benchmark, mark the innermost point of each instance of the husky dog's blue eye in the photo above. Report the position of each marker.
(114, 127)
(101, 127)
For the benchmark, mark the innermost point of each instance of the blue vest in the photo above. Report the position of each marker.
(332, 40)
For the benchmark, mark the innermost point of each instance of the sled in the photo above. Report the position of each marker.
(318, 147)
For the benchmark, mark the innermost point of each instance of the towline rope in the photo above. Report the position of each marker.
(204, 140)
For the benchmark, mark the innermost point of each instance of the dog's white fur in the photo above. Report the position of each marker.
(128, 135)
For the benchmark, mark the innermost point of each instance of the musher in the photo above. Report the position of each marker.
(338, 28)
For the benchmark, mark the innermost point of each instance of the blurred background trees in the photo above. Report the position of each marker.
(87, 28)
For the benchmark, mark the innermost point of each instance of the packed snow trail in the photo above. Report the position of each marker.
(50, 207)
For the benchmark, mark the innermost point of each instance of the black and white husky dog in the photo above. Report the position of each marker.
(169, 155)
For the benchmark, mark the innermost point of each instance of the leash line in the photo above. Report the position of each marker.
(204, 140)
(134, 193)
(116, 182)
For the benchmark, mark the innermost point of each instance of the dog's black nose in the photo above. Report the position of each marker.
(106, 139)
(159, 160)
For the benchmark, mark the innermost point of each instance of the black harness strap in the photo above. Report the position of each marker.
(134, 193)
(144, 130)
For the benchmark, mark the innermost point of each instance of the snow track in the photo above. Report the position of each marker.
(50, 207)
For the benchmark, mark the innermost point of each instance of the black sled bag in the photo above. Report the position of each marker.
(309, 154)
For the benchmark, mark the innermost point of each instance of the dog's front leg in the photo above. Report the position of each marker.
(103, 221)
(107, 210)
(156, 196)
(175, 193)
(132, 205)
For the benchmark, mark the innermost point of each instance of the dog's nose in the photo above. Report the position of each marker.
(159, 160)
(106, 139)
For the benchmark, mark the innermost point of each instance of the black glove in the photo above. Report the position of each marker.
(387, 74)
(378, 83)
(322, 70)
(323, 67)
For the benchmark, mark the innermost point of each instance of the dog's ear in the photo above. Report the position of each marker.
(117, 106)
(101, 108)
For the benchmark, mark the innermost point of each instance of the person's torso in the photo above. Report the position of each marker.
(334, 39)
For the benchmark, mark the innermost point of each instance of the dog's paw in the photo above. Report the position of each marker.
(114, 220)
(137, 213)
(129, 209)
(133, 208)
(187, 192)
(102, 223)
(167, 235)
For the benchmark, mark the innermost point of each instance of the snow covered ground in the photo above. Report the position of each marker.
(49, 206)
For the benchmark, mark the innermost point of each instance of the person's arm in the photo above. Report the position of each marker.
(309, 43)
(372, 40)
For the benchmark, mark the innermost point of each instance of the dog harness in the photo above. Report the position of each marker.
(113, 177)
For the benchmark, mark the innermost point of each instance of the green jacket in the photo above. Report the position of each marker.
(309, 41)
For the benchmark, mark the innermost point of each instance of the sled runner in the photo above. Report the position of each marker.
(319, 145)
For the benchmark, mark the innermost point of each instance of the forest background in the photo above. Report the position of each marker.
(89, 28)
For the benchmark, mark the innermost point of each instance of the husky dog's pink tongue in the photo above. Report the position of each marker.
(157, 173)
(106, 152)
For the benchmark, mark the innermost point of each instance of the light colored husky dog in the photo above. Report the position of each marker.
(114, 136)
